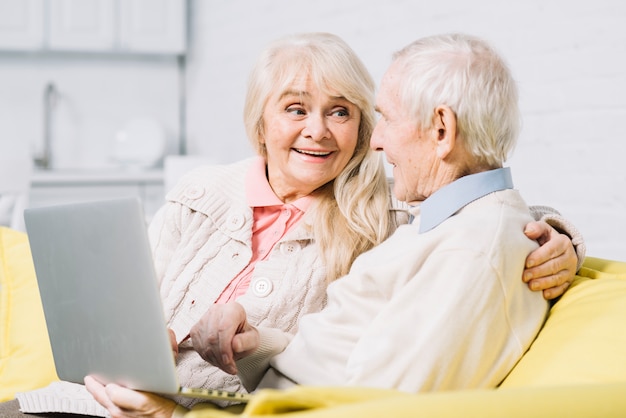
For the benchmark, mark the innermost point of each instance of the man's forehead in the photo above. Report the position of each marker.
(388, 93)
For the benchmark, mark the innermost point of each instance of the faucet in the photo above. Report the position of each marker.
(50, 97)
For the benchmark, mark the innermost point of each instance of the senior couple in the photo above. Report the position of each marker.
(259, 262)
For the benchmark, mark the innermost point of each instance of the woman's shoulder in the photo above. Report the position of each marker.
(211, 173)
(213, 180)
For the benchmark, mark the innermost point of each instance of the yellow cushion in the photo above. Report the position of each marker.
(584, 338)
(25, 355)
(580, 401)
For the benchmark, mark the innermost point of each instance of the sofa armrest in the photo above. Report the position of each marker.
(25, 355)
(582, 401)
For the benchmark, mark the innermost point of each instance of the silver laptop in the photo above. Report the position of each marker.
(100, 297)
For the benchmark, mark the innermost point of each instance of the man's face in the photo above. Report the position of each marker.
(410, 150)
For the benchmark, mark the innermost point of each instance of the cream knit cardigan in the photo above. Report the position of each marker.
(201, 240)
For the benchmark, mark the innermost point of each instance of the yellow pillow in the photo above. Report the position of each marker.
(581, 401)
(25, 355)
(584, 338)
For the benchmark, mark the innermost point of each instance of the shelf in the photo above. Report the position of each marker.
(42, 178)
(56, 187)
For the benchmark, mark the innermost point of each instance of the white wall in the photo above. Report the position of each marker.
(97, 96)
(569, 58)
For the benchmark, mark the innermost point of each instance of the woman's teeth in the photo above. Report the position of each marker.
(315, 153)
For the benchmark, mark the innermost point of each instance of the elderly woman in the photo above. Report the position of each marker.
(273, 231)
(439, 305)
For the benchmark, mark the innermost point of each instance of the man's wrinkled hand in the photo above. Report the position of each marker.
(551, 267)
(223, 335)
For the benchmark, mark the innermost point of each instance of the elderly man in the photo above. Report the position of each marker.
(439, 305)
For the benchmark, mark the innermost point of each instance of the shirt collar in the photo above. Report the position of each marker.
(448, 200)
(259, 193)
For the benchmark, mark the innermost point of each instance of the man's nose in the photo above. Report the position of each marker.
(376, 140)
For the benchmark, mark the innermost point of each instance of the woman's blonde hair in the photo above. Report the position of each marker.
(352, 212)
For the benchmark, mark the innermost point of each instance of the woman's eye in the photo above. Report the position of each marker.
(296, 110)
(340, 113)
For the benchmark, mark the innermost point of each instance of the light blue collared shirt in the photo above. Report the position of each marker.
(448, 200)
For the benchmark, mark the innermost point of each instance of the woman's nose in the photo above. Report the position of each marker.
(316, 128)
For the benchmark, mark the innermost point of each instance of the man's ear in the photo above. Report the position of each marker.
(445, 129)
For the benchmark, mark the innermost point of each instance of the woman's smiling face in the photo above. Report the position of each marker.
(309, 137)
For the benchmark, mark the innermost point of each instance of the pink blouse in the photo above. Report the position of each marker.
(272, 220)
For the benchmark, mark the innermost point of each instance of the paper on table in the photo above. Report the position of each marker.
(65, 397)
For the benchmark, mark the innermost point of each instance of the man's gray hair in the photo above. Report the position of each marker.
(468, 75)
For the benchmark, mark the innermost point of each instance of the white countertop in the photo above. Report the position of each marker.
(95, 176)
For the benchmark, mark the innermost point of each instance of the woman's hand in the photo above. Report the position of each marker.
(127, 403)
(223, 335)
(173, 342)
(552, 266)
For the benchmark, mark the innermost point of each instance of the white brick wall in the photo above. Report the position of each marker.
(568, 56)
